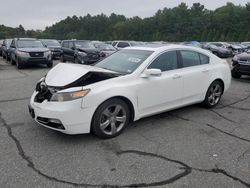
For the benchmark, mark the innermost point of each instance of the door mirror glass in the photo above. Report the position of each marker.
(152, 72)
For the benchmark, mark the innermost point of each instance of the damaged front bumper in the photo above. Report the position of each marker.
(67, 117)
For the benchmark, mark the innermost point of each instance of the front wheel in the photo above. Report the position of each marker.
(19, 66)
(235, 73)
(213, 95)
(110, 118)
(50, 64)
(62, 59)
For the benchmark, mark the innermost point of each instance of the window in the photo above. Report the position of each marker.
(114, 43)
(204, 59)
(71, 44)
(165, 62)
(190, 58)
(122, 44)
(65, 44)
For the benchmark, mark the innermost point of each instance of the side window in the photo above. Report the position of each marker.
(114, 43)
(65, 44)
(13, 43)
(165, 62)
(122, 44)
(71, 45)
(190, 58)
(204, 59)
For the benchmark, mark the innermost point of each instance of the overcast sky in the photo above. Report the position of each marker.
(37, 14)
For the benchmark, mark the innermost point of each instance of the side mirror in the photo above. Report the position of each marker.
(151, 72)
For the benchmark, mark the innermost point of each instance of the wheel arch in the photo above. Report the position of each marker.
(222, 82)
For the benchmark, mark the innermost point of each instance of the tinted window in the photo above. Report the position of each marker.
(190, 58)
(124, 61)
(204, 59)
(165, 62)
(114, 43)
(122, 45)
(65, 44)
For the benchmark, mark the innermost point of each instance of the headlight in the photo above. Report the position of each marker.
(235, 58)
(82, 53)
(20, 53)
(47, 53)
(69, 96)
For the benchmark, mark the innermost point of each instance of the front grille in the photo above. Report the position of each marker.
(36, 54)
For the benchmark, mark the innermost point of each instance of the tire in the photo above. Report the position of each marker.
(12, 61)
(213, 95)
(235, 73)
(76, 60)
(18, 65)
(62, 58)
(113, 115)
(4, 57)
(50, 64)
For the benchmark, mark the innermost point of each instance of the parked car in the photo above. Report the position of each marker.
(6, 49)
(126, 86)
(1, 43)
(123, 44)
(105, 49)
(219, 51)
(192, 43)
(241, 65)
(79, 51)
(237, 49)
(24, 51)
(54, 46)
(247, 44)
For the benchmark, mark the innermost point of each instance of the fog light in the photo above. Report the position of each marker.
(56, 121)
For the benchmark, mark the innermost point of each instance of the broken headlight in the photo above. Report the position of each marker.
(69, 96)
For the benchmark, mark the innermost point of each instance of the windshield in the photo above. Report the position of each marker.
(29, 44)
(124, 61)
(51, 42)
(104, 47)
(84, 44)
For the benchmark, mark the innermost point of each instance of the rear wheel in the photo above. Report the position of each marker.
(110, 118)
(213, 95)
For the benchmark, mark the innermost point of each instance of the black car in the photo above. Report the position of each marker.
(105, 49)
(241, 65)
(6, 49)
(54, 46)
(25, 51)
(220, 51)
(1, 43)
(79, 51)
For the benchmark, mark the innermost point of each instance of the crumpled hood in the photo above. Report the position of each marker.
(33, 49)
(65, 73)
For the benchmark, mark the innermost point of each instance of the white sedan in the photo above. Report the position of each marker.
(130, 84)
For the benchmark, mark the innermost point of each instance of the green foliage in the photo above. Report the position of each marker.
(181, 23)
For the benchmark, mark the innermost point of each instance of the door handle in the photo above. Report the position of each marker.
(205, 70)
(176, 76)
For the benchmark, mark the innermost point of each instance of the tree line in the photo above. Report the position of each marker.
(182, 23)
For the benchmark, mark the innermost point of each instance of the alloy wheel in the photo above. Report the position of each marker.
(215, 93)
(113, 119)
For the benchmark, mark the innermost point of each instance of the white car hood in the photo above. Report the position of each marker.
(65, 73)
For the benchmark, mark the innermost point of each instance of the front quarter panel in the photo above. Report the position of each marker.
(118, 87)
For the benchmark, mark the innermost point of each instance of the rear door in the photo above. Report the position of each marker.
(196, 75)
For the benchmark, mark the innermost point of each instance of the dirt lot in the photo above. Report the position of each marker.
(190, 147)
